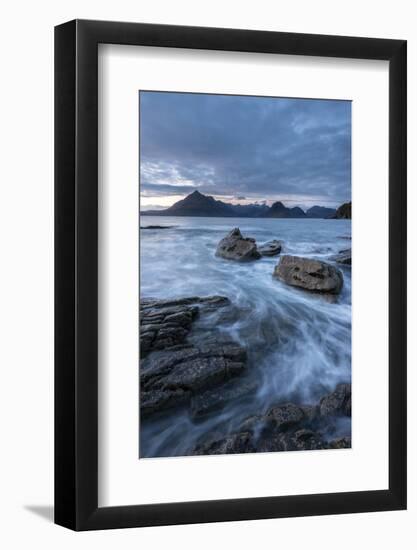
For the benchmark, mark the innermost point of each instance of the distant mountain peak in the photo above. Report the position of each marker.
(197, 204)
(279, 210)
(320, 212)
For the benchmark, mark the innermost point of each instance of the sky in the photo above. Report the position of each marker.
(244, 149)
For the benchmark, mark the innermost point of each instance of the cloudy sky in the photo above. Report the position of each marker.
(244, 149)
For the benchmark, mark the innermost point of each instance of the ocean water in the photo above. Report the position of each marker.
(299, 343)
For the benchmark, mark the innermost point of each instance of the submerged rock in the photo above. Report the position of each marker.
(217, 398)
(300, 440)
(309, 274)
(271, 248)
(341, 443)
(236, 247)
(284, 416)
(284, 427)
(159, 400)
(338, 402)
(246, 442)
(232, 444)
(167, 323)
(343, 257)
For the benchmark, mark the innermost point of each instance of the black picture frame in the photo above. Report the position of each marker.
(76, 272)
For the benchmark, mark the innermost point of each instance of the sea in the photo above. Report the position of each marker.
(298, 342)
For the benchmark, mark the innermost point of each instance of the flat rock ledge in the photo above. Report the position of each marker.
(238, 248)
(285, 427)
(176, 372)
(174, 377)
(167, 323)
(308, 274)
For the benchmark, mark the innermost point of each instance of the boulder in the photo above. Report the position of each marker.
(312, 275)
(236, 247)
(271, 248)
(343, 257)
(338, 402)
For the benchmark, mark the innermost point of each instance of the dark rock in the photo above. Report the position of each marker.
(338, 402)
(284, 416)
(218, 397)
(188, 369)
(344, 212)
(310, 412)
(232, 444)
(167, 323)
(300, 440)
(254, 424)
(284, 427)
(153, 303)
(271, 248)
(245, 442)
(309, 274)
(343, 257)
(341, 443)
(159, 400)
(236, 247)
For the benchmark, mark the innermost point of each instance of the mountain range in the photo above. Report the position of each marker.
(198, 205)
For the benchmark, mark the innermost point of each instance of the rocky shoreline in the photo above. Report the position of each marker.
(286, 427)
(202, 375)
(205, 377)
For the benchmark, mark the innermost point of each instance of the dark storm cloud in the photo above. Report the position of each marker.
(244, 146)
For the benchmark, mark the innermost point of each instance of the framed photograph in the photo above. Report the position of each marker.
(230, 275)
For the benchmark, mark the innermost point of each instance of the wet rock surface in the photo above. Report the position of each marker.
(309, 274)
(284, 427)
(343, 257)
(340, 443)
(216, 398)
(271, 248)
(192, 367)
(338, 402)
(173, 370)
(166, 323)
(187, 365)
(238, 248)
(171, 377)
